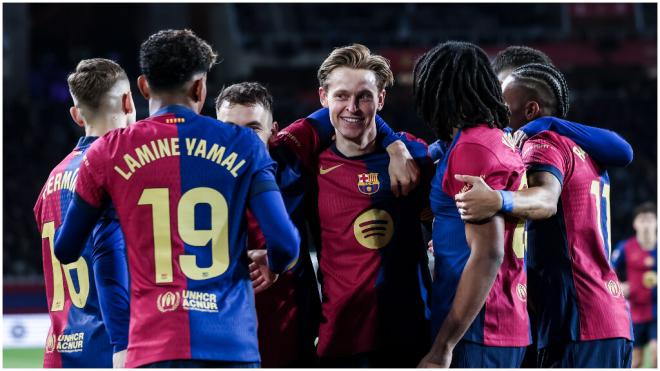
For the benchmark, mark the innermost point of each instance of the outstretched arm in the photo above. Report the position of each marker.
(486, 242)
(606, 147)
(282, 238)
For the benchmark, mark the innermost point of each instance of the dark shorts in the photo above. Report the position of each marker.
(472, 355)
(200, 363)
(645, 332)
(607, 353)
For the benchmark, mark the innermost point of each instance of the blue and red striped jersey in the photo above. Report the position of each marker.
(573, 287)
(77, 336)
(490, 154)
(180, 183)
(639, 267)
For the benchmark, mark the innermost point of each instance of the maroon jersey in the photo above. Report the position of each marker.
(638, 266)
(372, 260)
(286, 311)
(572, 285)
(489, 153)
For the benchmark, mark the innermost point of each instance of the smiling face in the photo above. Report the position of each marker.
(353, 97)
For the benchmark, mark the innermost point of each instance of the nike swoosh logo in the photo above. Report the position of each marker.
(325, 171)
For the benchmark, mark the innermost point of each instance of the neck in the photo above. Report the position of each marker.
(358, 146)
(101, 125)
(646, 240)
(164, 100)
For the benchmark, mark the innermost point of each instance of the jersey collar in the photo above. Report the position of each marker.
(85, 141)
(177, 110)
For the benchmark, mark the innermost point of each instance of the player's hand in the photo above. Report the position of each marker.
(118, 359)
(480, 202)
(519, 137)
(430, 248)
(436, 360)
(262, 277)
(403, 170)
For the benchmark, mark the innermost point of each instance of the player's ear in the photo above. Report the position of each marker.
(143, 86)
(532, 110)
(76, 116)
(273, 132)
(381, 99)
(197, 91)
(323, 96)
(127, 104)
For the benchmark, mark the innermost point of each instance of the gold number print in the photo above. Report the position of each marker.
(78, 298)
(218, 235)
(520, 233)
(595, 191)
(159, 199)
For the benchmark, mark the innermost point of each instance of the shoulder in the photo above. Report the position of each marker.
(417, 147)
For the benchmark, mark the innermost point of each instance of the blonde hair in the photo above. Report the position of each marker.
(356, 56)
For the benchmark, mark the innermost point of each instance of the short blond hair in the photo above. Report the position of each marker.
(356, 56)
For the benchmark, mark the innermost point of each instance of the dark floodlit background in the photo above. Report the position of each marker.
(608, 53)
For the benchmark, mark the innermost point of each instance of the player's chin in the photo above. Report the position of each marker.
(352, 131)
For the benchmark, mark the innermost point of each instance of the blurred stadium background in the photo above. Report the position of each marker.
(608, 53)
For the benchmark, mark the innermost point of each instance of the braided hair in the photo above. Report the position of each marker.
(516, 56)
(455, 87)
(548, 84)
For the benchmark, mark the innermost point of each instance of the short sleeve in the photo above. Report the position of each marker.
(544, 152)
(476, 160)
(89, 183)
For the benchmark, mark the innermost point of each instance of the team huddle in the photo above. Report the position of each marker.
(182, 240)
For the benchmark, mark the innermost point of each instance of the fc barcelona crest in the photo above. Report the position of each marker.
(368, 184)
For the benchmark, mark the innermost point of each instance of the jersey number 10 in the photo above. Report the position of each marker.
(218, 235)
(78, 298)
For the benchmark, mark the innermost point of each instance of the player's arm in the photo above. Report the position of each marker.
(403, 169)
(282, 238)
(437, 150)
(547, 159)
(486, 242)
(538, 201)
(606, 147)
(77, 225)
(309, 137)
(112, 282)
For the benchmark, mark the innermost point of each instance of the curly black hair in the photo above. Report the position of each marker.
(547, 84)
(169, 58)
(455, 87)
(516, 56)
